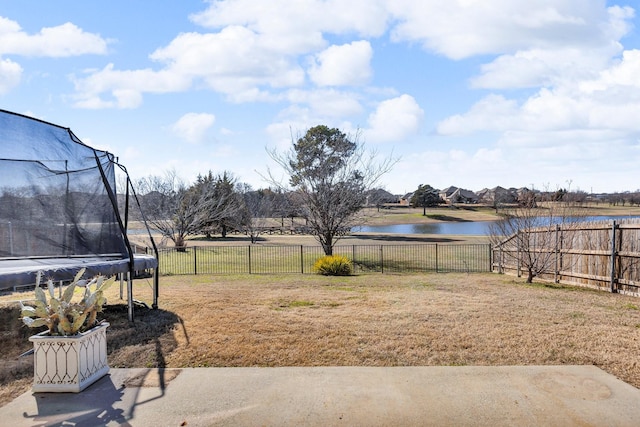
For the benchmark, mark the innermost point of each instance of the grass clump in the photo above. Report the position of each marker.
(333, 265)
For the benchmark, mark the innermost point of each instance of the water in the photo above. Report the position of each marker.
(478, 228)
(475, 228)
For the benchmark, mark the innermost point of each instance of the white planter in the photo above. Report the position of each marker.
(69, 364)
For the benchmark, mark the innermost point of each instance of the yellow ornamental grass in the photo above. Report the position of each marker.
(64, 316)
(333, 265)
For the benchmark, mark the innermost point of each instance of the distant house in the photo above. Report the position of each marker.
(406, 199)
(498, 195)
(379, 197)
(458, 195)
(446, 193)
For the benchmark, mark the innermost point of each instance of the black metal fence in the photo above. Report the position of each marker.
(258, 259)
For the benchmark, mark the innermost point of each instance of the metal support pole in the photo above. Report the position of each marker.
(130, 295)
(10, 239)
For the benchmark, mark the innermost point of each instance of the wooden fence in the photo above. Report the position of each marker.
(603, 255)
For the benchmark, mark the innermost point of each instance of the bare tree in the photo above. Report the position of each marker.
(165, 202)
(330, 173)
(527, 236)
(178, 211)
(258, 209)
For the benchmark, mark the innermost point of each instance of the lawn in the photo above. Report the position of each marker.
(366, 320)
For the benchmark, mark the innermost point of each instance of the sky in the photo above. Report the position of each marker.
(470, 93)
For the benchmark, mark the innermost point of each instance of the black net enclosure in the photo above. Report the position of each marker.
(59, 206)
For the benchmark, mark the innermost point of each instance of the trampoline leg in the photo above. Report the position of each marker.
(156, 283)
(121, 284)
(130, 296)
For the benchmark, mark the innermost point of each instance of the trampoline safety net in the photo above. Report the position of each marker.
(54, 193)
(59, 207)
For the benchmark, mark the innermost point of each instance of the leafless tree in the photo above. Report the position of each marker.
(527, 235)
(258, 209)
(178, 211)
(330, 173)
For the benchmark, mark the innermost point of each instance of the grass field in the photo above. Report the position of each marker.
(366, 320)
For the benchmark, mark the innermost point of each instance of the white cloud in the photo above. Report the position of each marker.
(623, 74)
(581, 123)
(192, 127)
(567, 61)
(492, 113)
(394, 120)
(125, 87)
(10, 74)
(326, 103)
(298, 27)
(61, 41)
(234, 59)
(460, 29)
(234, 62)
(254, 51)
(348, 64)
(608, 101)
(544, 160)
(442, 168)
(538, 67)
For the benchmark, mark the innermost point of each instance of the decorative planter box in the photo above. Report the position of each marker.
(69, 364)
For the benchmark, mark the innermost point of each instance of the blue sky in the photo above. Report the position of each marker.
(543, 93)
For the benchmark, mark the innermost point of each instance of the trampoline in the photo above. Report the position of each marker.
(59, 209)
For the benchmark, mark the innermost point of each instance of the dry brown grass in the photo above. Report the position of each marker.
(368, 320)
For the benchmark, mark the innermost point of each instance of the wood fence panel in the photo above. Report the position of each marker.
(602, 255)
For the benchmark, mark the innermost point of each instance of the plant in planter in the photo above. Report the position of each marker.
(72, 353)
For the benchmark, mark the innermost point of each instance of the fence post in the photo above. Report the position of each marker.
(436, 257)
(556, 278)
(613, 257)
(249, 247)
(490, 246)
(353, 257)
(301, 260)
(518, 264)
(381, 259)
(195, 260)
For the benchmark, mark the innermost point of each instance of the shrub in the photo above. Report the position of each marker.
(333, 265)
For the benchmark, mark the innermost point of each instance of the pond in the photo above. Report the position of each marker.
(470, 228)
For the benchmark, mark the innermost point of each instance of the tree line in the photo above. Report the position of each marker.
(330, 175)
